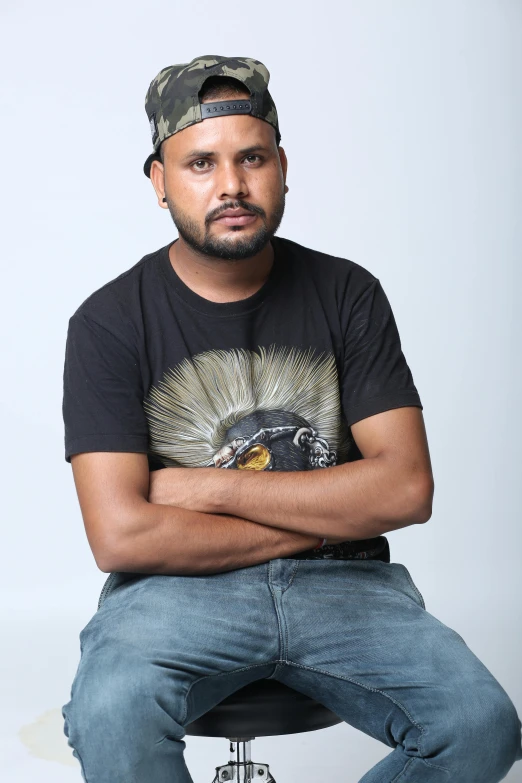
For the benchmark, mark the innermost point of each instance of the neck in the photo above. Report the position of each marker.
(220, 279)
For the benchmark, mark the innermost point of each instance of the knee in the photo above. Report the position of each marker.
(126, 704)
(504, 731)
(486, 734)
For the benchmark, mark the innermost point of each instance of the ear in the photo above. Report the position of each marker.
(284, 165)
(157, 177)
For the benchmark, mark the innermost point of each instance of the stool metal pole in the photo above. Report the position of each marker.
(241, 768)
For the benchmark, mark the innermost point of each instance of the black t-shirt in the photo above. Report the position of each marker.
(273, 381)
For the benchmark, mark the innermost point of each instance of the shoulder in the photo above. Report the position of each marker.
(113, 305)
(326, 269)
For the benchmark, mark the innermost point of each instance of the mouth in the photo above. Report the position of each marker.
(241, 218)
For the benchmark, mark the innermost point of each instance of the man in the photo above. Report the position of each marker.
(243, 429)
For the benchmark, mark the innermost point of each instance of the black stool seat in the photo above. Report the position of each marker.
(263, 708)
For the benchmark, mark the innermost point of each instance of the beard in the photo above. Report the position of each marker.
(239, 242)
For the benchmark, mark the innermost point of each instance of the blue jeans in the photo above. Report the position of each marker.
(354, 634)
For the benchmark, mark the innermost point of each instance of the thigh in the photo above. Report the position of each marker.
(371, 652)
(208, 623)
(159, 652)
(154, 636)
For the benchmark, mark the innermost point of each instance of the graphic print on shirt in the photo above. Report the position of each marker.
(278, 409)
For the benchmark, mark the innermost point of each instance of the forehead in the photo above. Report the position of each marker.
(220, 134)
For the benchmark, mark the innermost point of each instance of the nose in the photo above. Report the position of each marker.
(231, 182)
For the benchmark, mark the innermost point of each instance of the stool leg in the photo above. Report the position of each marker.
(240, 768)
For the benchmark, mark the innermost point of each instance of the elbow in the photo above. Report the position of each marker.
(420, 501)
(103, 550)
(116, 558)
(105, 569)
(423, 515)
(120, 555)
(118, 548)
(109, 559)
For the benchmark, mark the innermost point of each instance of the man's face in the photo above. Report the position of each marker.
(222, 163)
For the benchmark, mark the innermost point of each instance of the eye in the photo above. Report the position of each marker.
(202, 160)
(257, 457)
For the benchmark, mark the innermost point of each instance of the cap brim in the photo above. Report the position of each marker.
(148, 162)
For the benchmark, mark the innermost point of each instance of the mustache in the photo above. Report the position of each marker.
(236, 205)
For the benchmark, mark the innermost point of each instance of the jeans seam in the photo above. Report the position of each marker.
(294, 571)
(413, 586)
(106, 589)
(382, 693)
(219, 674)
(403, 770)
(281, 650)
(274, 603)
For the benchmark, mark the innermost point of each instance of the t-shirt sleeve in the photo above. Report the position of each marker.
(375, 376)
(102, 391)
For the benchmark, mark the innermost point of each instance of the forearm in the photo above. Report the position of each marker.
(163, 539)
(352, 501)
(360, 499)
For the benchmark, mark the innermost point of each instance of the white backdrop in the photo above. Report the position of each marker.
(402, 124)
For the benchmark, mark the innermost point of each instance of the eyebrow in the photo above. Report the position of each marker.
(210, 154)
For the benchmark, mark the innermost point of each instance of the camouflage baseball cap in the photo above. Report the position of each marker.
(172, 102)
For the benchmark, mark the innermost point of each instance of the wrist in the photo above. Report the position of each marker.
(218, 488)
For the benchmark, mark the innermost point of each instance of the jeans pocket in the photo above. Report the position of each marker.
(416, 592)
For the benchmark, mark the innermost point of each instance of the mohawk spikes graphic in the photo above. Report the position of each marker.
(190, 411)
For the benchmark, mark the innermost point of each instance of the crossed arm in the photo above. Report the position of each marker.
(391, 487)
